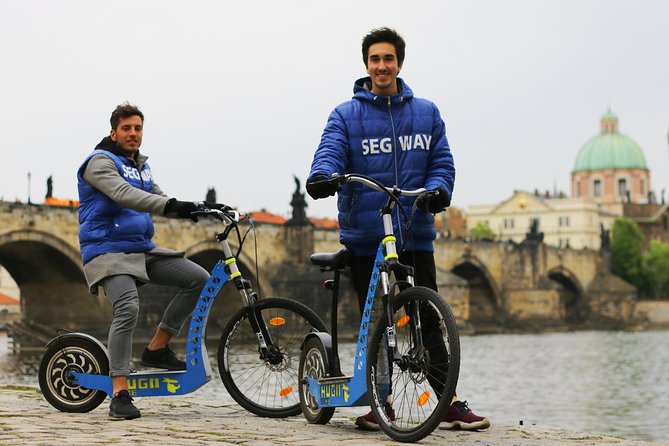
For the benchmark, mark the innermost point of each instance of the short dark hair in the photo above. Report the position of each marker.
(122, 111)
(384, 35)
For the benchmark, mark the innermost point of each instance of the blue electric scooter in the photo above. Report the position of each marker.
(407, 372)
(261, 341)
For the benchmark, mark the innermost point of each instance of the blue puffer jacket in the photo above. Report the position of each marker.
(106, 226)
(398, 140)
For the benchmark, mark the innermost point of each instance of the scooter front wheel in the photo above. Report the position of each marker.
(411, 385)
(266, 385)
(72, 354)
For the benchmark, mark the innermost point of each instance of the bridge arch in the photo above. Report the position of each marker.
(485, 302)
(572, 296)
(228, 301)
(50, 276)
(207, 253)
(45, 238)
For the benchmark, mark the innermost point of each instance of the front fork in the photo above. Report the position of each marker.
(412, 309)
(268, 351)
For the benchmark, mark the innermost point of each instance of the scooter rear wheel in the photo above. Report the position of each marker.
(72, 354)
(313, 364)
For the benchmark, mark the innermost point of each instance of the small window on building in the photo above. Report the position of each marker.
(622, 187)
(563, 221)
(643, 187)
(508, 223)
(665, 223)
(597, 188)
(577, 189)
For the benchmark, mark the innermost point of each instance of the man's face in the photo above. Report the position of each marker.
(128, 134)
(383, 68)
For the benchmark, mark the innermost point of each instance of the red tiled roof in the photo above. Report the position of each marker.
(324, 223)
(266, 217)
(8, 300)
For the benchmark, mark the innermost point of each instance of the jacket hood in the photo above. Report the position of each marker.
(362, 90)
(110, 146)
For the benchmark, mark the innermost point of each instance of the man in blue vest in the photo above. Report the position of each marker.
(400, 140)
(117, 194)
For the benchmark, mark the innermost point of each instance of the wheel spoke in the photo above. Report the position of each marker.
(266, 386)
(423, 373)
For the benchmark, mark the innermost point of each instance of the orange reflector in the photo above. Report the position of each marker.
(286, 391)
(403, 321)
(423, 398)
(276, 321)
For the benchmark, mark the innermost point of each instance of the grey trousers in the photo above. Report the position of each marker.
(121, 290)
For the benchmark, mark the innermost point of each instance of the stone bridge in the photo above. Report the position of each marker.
(489, 285)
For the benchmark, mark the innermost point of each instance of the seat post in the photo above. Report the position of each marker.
(334, 360)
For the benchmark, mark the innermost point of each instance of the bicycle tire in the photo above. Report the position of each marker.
(313, 363)
(266, 389)
(423, 378)
(76, 354)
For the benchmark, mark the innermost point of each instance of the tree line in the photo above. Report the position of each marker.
(647, 271)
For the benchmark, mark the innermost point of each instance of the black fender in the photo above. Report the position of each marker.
(70, 335)
(326, 341)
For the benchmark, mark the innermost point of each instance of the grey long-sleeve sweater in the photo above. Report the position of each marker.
(102, 174)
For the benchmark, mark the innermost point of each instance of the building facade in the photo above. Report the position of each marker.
(610, 179)
(7, 284)
(565, 222)
(611, 167)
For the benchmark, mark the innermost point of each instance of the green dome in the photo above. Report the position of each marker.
(610, 149)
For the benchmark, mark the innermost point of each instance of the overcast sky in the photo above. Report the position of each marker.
(236, 94)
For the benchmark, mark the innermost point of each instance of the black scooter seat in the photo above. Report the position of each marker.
(335, 260)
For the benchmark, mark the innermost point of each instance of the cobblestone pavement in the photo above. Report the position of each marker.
(27, 419)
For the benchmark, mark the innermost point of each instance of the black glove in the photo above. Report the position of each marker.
(180, 209)
(318, 186)
(435, 202)
(219, 206)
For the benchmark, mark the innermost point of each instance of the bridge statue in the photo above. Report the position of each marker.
(534, 235)
(605, 238)
(211, 195)
(49, 187)
(299, 205)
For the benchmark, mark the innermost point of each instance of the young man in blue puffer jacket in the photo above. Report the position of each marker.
(386, 133)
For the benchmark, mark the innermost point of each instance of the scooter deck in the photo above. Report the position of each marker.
(338, 391)
(155, 382)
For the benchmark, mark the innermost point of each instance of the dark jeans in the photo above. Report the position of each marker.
(425, 274)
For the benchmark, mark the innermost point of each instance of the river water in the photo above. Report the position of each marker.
(614, 383)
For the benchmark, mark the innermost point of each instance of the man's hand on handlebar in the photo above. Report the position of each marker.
(219, 206)
(218, 211)
(320, 186)
(180, 209)
(434, 201)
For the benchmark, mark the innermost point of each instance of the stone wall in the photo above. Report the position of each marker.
(654, 313)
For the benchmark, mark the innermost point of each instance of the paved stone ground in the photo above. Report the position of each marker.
(27, 419)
